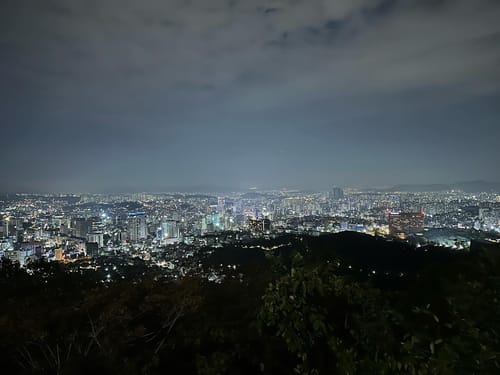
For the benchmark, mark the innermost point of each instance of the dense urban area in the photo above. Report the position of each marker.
(275, 282)
(173, 230)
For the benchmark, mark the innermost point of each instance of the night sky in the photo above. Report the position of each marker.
(152, 95)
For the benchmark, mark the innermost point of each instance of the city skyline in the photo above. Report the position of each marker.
(473, 186)
(156, 96)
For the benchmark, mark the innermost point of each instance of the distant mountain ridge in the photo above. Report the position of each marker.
(477, 186)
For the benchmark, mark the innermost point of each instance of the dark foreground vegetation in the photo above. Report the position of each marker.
(345, 304)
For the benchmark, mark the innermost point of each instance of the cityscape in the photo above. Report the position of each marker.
(171, 230)
(274, 187)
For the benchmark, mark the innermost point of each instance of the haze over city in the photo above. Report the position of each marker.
(250, 187)
(158, 95)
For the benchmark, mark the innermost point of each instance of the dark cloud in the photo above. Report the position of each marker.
(163, 92)
(269, 10)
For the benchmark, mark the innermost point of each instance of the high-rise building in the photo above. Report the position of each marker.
(32, 248)
(204, 224)
(212, 223)
(137, 229)
(170, 229)
(92, 249)
(221, 205)
(97, 237)
(406, 223)
(81, 227)
(7, 227)
(336, 194)
(215, 220)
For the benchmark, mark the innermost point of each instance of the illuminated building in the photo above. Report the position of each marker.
(259, 225)
(212, 223)
(170, 229)
(405, 223)
(215, 220)
(81, 227)
(5, 228)
(19, 256)
(58, 254)
(96, 237)
(221, 205)
(15, 256)
(32, 248)
(137, 229)
(204, 225)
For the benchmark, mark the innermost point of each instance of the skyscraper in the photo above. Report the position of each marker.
(336, 194)
(81, 227)
(137, 229)
(170, 229)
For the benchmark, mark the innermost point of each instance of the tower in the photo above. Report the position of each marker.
(170, 229)
(137, 229)
(336, 194)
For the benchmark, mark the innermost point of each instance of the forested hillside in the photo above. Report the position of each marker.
(345, 304)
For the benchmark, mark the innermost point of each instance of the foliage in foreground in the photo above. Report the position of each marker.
(304, 318)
